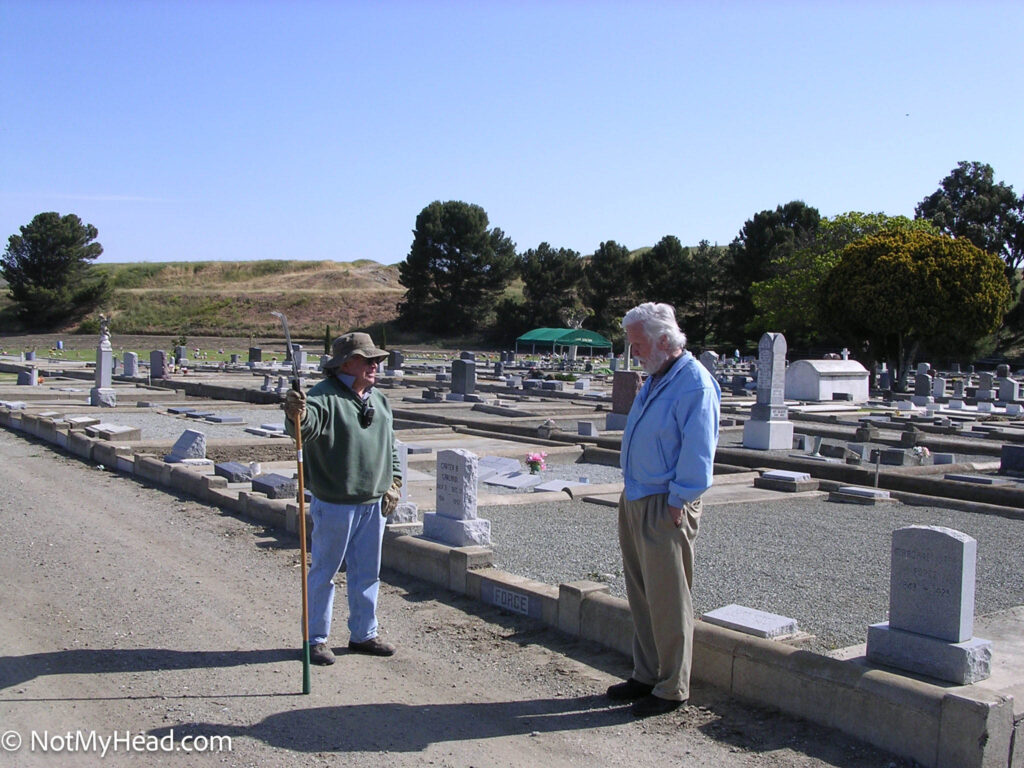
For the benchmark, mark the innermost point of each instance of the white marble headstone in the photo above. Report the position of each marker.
(932, 587)
(456, 484)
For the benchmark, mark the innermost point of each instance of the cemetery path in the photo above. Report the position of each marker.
(132, 612)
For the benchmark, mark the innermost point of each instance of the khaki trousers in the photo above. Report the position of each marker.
(657, 561)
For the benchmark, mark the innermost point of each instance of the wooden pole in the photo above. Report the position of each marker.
(302, 554)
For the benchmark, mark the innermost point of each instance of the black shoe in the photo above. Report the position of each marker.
(654, 705)
(372, 647)
(631, 690)
(321, 654)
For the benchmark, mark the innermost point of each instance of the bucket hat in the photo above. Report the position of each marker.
(350, 344)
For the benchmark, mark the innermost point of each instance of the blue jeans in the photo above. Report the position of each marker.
(352, 533)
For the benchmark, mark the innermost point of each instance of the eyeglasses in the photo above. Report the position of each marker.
(366, 415)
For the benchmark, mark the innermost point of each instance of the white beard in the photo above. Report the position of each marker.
(657, 359)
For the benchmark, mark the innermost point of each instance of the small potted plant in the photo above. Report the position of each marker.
(535, 461)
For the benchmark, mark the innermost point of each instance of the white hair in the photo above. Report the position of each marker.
(658, 321)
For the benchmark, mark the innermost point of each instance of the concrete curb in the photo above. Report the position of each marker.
(938, 727)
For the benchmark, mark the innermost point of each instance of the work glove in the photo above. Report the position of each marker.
(389, 503)
(295, 405)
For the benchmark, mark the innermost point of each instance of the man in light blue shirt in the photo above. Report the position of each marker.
(667, 459)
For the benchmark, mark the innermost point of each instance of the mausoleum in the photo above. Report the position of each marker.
(819, 380)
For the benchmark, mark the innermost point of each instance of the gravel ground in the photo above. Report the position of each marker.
(822, 563)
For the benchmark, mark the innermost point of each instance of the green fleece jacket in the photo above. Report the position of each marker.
(344, 463)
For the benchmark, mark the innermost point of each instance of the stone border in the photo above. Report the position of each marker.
(938, 727)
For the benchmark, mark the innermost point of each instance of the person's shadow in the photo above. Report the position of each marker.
(411, 727)
(15, 670)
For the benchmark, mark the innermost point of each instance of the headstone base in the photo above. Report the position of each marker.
(768, 435)
(405, 512)
(456, 533)
(103, 397)
(962, 663)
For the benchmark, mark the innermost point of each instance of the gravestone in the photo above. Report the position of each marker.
(30, 356)
(923, 369)
(463, 377)
(786, 480)
(158, 364)
(931, 608)
(276, 486)
(985, 391)
(586, 429)
(1009, 390)
(938, 387)
(455, 522)
(709, 359)
(625, 385)
(884, 379)
(858, 494)
(769, 427)
(180, 355)
(235, 358)
(29, 378)
(407, 511)
(1011, 460)
(499, 369)
(470, 356)
(488, 466)
(1002, 370)
(299, 355)
(519, 481)
(255, 355)
(751, 621)
(958, 389)
(922, 384)
(233, 471)
(104, 431)
(103, 394)
(395, 360)
(190, 447)
(131, 364)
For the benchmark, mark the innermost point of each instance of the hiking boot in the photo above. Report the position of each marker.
(372, 647)
(321, 654)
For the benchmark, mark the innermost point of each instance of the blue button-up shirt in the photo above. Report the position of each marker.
(671, 434)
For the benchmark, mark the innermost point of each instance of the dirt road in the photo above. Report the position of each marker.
(131, 612)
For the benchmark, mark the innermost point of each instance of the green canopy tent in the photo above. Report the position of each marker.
(556, 338)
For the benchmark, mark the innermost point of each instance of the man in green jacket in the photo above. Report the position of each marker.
(351, 469)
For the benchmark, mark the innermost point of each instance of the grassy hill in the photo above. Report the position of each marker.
(224, 298)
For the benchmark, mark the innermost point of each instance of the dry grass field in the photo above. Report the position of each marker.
(236, 298)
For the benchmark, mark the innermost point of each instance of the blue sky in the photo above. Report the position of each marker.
(237, 129)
